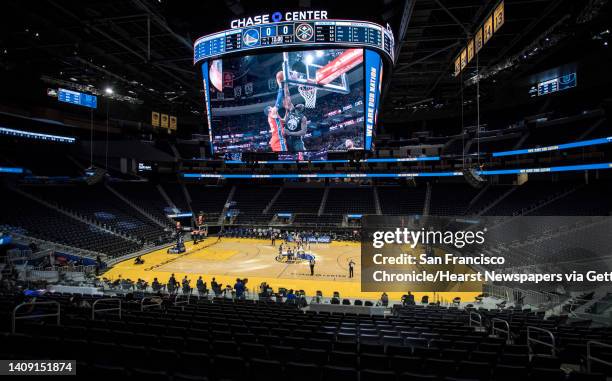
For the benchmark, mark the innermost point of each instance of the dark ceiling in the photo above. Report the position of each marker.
(143, 48)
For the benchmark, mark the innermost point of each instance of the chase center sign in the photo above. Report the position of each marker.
(278, 17)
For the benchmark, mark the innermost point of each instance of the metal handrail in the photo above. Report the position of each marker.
(145, 306)
(15, 317)
(530, 339)
(495, 329)
(93, 307)
(590, 358)
(476, 321)
(181, 302)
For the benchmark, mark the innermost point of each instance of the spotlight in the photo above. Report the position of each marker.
(108, 90)
(308, 59)
(319, 53)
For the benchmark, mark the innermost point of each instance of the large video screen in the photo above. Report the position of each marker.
(290, 102)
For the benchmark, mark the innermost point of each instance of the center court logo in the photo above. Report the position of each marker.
(250, 37)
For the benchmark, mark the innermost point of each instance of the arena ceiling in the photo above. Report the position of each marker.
(143, 48)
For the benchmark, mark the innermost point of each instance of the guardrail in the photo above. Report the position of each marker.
(14, 317)
(495, 329)
(530, 339)
(476, 319)
(514, 295)
(179, 302)
(144, 306)
(66, 269)
(591, 358)
(94, 311)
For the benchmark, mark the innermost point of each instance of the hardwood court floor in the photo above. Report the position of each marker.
(254, 259)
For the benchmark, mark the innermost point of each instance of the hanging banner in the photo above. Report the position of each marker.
(155, 119)
(483, 34)
(470, 50)
(164, 121)
(488, 29)
(498, 17)
(173, 123)
(478, 41)
(457, 65)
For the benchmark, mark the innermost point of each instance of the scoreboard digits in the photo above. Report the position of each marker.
(333, 32)
(74, 97)
(272, 34)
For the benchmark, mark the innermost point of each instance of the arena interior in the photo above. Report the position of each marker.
(190, 190)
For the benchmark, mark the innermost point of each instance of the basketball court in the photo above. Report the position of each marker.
(257, 261)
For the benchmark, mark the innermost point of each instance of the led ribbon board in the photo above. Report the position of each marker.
(306, 34)
(36, 135)
(566, 168)
(558, 147)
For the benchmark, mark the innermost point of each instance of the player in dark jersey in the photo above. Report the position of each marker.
(296, 124)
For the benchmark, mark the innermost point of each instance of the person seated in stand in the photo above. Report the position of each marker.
(156, 286)
(245, 281)
(228, 293)
(457, 301)
(384, 299)
(216, 287)
(408, 299)
(239, 287)
(302, 302)
(172, 284)
(279, 298)
(186, 286)
(139, 283)
(263, 288)
(201, 286)
(290, 297)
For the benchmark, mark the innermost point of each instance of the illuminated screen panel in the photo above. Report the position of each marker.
(554, 85)
(296, 34)
(77, 98)
(373, 89)
(319, 107)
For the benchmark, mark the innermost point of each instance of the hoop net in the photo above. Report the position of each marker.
(309, 94)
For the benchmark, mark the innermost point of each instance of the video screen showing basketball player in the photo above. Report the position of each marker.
(313, 111)
(287, 132)
(277, 125)
(296, 124)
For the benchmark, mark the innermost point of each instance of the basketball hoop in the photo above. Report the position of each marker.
(309, 94)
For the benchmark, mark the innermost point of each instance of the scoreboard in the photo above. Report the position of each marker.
(74, 97)
(557, 84)
(296, 34)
